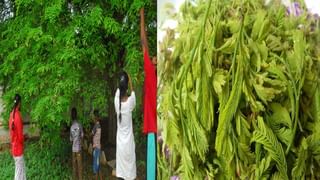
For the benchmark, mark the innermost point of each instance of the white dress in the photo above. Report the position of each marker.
(125, 155)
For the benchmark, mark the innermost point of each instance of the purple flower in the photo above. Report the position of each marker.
(297, 8)
(174, 178)
(294, 9)
(167, 152)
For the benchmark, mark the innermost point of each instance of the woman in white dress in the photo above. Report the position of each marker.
(124, 105)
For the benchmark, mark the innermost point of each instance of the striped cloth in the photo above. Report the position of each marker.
(20, 172)
(76, 135)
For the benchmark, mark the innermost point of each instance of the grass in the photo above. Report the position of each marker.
(53, 161)
(43, 161)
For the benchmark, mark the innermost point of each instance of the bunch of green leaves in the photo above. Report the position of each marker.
(241, 81)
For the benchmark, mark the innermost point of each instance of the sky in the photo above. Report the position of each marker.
(313, 6)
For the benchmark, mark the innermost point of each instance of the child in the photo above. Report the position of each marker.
(76, 135)
(96, 133)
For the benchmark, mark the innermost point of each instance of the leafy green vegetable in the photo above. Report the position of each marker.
(239, 92)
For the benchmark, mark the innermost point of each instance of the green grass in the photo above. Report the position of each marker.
(43, 161)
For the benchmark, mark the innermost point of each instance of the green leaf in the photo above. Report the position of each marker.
(299, 169)
(264, 135)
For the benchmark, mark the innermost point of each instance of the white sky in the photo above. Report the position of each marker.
(313, 6)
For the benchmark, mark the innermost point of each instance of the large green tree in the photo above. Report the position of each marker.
(63, 53)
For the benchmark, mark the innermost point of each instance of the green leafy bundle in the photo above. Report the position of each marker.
(58, 54)
(240, 93)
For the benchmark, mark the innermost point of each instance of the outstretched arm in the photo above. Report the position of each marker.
(130, 83)
(143, 33)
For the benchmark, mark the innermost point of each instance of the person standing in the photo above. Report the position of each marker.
(125, 148)
(76, 135)
(17, 139)
(150, 101)
(96, 141)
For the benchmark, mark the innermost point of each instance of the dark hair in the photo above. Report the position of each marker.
(17, 100)
(73, 113)
(123, 86)
(96, 114)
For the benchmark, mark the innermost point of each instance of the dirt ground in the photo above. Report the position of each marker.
(106, 169)
(4, 147)
(87, 168)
